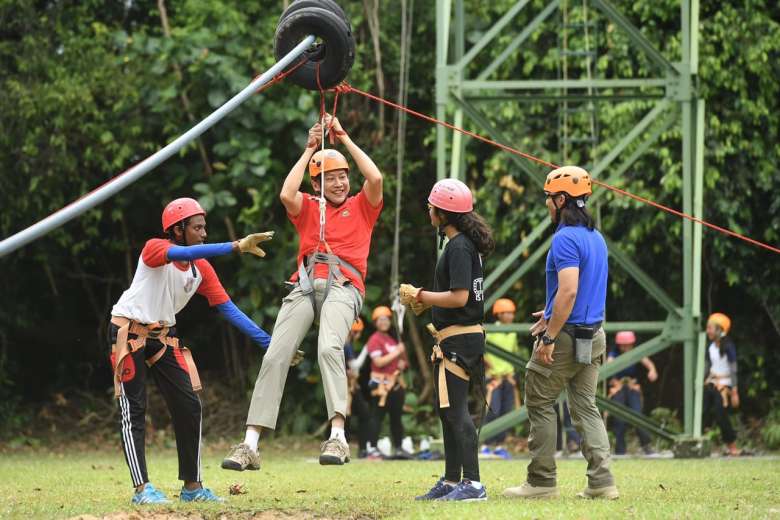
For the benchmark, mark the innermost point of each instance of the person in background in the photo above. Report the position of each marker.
(720, 387)
(502, 386)
(357, 403)
(625, 389)
(387, 387)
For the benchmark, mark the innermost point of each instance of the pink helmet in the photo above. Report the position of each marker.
(451, 195)
(179, 209)
(625, 337)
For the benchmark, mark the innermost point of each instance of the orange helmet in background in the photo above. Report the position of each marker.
(381, 311)
(721, 320)
(503, 305)
(572, 180)
(327, 160)
(358, 326)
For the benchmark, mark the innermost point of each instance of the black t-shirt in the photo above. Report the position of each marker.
(459, 267)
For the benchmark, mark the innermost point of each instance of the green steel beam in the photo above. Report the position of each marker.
(550, 84)
(443, 8)
(635, 355)
(516, 252)
(698, 200)
(634, 34)
(638, 274)
(490, 34)
(517, 416)
(687, 237)
(499, 136)
(524, 267)
(609, 326)
(518, 40)
(458, 146)
(536, 98)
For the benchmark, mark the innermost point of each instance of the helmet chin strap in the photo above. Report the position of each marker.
(184, 243)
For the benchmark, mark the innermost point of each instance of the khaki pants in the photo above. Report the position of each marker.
(543, 385)
(292, 323)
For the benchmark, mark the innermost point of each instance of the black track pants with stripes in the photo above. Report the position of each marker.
(173, 382)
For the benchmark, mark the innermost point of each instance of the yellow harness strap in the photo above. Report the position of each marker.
(437, 356)
(387, 383)
(125, 346)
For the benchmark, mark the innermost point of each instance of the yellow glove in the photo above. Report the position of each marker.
(297, 358)
(408, 293)
(248, 244)
(419, 307)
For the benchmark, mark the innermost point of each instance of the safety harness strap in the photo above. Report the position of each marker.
(306, 273)
(125, 346)
(387, 383)
(438, 357)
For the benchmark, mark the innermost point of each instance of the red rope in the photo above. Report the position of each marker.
(344, 88)
(331, 133)
(279, 77)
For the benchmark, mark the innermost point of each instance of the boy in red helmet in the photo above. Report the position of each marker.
(334, 231)
(143, 340)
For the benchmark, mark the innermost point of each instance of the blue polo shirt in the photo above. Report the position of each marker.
(577, 246)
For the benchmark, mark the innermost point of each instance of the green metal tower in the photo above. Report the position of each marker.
(673, 92)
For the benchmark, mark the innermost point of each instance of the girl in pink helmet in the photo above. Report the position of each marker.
(144, 341)
(457, 301)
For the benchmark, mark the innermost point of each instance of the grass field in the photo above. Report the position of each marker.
(292, 485)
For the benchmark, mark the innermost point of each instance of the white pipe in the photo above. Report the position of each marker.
(123, 180)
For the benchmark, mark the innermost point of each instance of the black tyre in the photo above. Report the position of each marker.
(334, 53)
(329, 5)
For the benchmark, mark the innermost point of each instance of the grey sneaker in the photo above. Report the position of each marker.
(241, 457)
(608, 493)
(334, 452)
(529, 491)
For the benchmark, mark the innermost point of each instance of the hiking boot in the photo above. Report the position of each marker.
(440, 489)
(242, 457)
(149, 495)
(199, 495)
(529, 491)
(334, 452)
(465, 492)
(607, 492)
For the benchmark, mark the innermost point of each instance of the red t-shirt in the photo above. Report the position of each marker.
(381, 344)
(348, 231)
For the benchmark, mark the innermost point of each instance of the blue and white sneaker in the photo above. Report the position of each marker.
(149, 495)
(440, 489)
(465, 492)
(199, 495)
(502, 453)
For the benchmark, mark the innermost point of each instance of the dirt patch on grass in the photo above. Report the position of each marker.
(174, 515)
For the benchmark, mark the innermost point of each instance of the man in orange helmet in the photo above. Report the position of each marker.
(720, 387)
(570, 344)
(334, 231)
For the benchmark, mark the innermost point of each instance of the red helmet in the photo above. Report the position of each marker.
(451, 195)
(178, 210)
(625, 337)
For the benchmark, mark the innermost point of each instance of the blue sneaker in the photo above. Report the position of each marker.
(502, 453)
(465, 492)
(199, 495)
(149, 495)
(439, 490)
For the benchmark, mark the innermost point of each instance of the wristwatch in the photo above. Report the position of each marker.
(547, 340)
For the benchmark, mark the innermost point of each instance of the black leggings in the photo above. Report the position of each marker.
(394, 406)
(460, 434)
(714, 409)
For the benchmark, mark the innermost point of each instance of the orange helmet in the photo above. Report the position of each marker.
(357, 326)
(381, 311)
(503, 305)
(326, 161)
(721, 320)
(571, 180)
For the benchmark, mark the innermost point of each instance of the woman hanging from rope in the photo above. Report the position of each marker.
(334, 231)
(457, 302)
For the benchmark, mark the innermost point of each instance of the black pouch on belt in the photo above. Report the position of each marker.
(583, 343)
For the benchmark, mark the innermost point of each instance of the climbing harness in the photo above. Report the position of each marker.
(450, 365)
